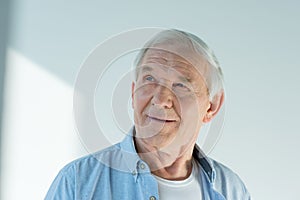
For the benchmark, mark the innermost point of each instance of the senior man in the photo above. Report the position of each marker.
(177, 88)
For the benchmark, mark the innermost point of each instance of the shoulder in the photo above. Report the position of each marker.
(81, 174)
(228, 182)
(99, 159)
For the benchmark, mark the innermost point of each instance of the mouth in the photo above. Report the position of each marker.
(162, 120)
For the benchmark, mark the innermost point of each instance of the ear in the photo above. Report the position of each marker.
(132, 93)
(215, 105)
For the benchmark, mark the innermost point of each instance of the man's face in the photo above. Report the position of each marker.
(170, 100)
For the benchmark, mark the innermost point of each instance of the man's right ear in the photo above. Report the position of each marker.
(132, 93)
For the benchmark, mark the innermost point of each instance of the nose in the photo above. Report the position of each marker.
(163, 97)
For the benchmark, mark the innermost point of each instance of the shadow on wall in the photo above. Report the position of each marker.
(4, 10)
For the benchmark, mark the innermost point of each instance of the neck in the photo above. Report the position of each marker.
(179, 170)
(168, 165)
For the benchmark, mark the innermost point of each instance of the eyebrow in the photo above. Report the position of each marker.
(147, 68)
(184, 79)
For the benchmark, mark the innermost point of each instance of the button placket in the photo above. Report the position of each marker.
(134, 172)
(152, 198)
(142, 166)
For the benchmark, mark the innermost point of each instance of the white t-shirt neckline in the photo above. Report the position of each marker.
(189, 188)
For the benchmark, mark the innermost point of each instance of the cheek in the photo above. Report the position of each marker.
(142, 97)
(193, 108)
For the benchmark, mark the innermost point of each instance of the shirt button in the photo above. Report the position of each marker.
(142, 166)
(152, 198)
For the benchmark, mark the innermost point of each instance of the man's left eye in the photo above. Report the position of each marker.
(180, 85)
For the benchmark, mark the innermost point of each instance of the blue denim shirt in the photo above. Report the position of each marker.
(118, 173)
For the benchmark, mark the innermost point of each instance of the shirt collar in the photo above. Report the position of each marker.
(205, 163)
(132, 159)
(129, 153)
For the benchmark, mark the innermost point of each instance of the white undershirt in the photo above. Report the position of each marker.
(188, 189)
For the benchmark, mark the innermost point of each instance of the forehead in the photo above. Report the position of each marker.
(157, 58)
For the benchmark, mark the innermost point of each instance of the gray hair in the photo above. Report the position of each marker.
(214, 78)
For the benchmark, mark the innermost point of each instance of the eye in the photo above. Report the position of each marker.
(149, 78)
(181, 87)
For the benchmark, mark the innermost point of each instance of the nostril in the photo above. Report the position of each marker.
(162, 100)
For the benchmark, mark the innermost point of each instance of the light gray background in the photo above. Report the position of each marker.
(256, 42)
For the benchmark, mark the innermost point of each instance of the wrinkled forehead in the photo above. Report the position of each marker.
(178, 57)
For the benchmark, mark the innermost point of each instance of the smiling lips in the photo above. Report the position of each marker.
(162, 120)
